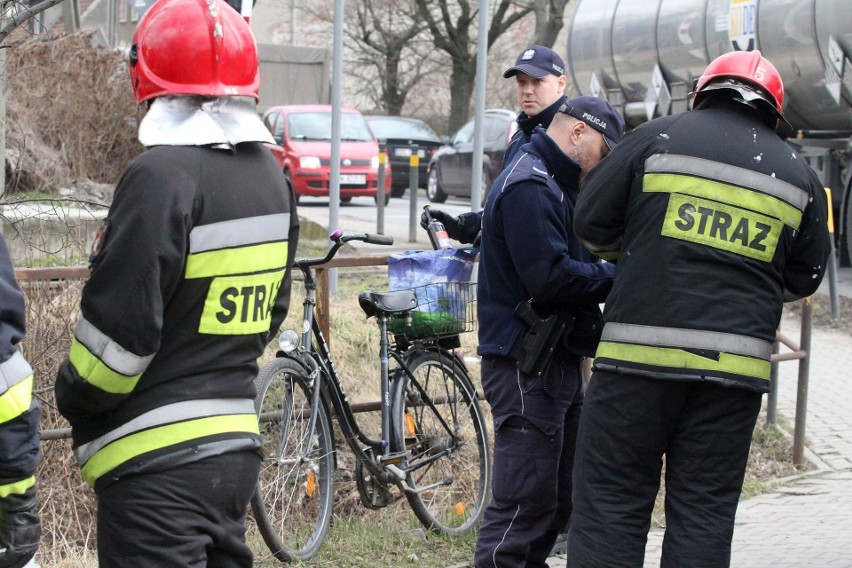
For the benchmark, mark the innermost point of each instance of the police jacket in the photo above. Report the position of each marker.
(714, 220)
(19, 428)
(528, 248)
(189, 281)
(526, 128)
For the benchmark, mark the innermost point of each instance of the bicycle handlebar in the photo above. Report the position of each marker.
(339, 239)
(367, 238)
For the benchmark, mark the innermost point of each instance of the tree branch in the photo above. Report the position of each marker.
(23, 14)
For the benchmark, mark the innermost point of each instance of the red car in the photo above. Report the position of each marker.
(302, 146)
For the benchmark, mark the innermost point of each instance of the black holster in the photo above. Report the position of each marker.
(540, 341)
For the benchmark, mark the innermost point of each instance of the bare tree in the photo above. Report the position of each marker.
(389, 49)
(549, 20)
(451, 23)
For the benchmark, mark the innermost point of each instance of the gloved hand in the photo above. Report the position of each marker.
(20, 529)
(451, 224)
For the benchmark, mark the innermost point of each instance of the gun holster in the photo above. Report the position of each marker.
(541, 339)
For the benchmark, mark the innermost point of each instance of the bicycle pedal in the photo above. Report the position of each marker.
(393, 458)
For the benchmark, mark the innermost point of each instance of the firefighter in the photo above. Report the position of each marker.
(189, 280)
(715, 222)
(533, 270)
(540, 81)
(19, 434)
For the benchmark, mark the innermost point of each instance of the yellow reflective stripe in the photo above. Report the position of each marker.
(242, 260)
(16, 400)
(134, 445)
(679, 359)
(715, 224)
(17, 488)
(685, 338)
(724, 193)
(110, 352)
(240, 305)
(183, 411)
(97, 373)
(727, 174)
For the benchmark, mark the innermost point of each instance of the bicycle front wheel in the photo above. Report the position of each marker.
(438, 422)
(293, 500)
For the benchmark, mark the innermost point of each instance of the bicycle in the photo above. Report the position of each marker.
(433, 446)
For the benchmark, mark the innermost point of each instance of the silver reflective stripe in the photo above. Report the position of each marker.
(169, 414)
(111, 353)
(13, 371)
(690, 165)
(687, 338)
(240, 232)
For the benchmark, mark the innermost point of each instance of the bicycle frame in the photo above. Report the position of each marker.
(315, 357)
(429, 448)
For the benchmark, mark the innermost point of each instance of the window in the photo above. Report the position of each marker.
(465, 134)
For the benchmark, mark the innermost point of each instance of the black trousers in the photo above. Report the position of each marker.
(534, 436)
(191, 516)
(628, 424)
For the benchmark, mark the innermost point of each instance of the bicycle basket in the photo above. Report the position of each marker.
(443, 308)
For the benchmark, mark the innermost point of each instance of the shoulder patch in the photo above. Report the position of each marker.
(98, 244)
(539, 172)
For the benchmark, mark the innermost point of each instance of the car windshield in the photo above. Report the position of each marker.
(411, 129)
(314, 126)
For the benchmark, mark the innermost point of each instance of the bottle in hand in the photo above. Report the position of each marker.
(436, 231)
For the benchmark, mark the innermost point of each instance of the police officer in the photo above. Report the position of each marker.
(530, 258)
(19, 438)
(188, 282)
(715, 221)
(540, 85)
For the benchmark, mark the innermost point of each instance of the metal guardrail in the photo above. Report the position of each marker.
(800, 351)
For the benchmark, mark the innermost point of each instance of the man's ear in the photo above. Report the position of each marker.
(577, 130)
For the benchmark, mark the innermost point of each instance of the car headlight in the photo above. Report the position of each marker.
(374, 162)
(310, 162)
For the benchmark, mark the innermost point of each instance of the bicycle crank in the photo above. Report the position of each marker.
(374, 492)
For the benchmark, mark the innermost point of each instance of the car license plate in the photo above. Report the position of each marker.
(406, 152)
(353, 179)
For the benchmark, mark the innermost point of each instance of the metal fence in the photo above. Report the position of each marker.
(54, 285)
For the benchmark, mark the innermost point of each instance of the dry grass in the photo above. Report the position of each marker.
(822, 313)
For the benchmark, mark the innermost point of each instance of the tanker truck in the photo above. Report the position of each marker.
(643, 56)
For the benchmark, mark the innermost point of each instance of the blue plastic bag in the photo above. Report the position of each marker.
(441, 282)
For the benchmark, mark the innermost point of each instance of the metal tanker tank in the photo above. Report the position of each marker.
(646, 53)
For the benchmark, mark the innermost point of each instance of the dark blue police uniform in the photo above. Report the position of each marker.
(529, 251)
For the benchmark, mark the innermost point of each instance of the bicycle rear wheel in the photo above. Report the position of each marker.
(441, 427)
(293, 500)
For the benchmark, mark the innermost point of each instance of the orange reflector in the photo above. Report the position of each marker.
(311, 484)
(459, 509)
(409, 424)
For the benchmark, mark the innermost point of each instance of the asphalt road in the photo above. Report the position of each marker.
(361, 215)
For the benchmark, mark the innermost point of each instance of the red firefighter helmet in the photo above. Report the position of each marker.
(193, 47)
(739, 70)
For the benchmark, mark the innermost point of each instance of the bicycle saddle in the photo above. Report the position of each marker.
(374, 303)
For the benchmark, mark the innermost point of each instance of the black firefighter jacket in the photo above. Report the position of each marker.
(189, 280)
(714, 221)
